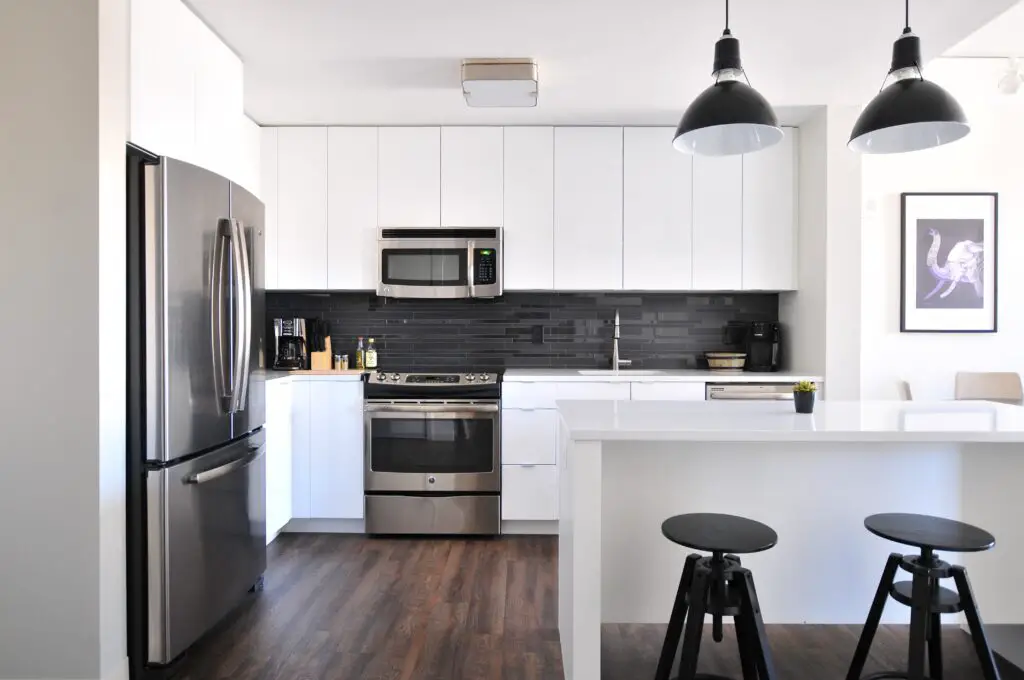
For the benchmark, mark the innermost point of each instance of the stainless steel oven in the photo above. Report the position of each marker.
(439, 263)
(432, 454)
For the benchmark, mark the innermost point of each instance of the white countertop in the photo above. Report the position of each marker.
(634, 375)
(340, 376)
(832, 421)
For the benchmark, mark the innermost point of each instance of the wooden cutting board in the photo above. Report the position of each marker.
(321, 361)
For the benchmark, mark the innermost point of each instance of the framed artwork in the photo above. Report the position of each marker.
(948, 262)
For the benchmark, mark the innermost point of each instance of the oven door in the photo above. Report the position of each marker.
(432, 446)
(439, 267)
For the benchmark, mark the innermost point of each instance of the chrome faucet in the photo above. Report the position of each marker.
(617, 363)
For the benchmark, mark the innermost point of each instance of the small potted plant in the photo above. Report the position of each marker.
(803, 396)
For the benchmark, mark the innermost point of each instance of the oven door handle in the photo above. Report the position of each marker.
(432, 408)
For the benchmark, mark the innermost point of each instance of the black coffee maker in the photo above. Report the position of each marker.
(289, 344)
(763, 347)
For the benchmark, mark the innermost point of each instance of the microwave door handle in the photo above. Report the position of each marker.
(470, 273)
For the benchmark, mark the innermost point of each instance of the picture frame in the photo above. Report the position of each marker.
(948, 262)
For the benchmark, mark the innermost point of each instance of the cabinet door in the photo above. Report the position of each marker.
(529, 437)
(336, 449)
(471, 176)
(218, 114)
(300, 448)
(302, 208)
(717, 222)
(529, 208)
(769, 216)
(279, 456)
(268, 194)
(657, 211)
(667, 391)
(588, 208)
(352, 208)
(529, 492)
(409, 177)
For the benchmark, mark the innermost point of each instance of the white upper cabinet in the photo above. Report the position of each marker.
(529, 208)
(471, 176)
(302, 208)
(717, 222)
(409, 177)
(268, 194)
(769, 216)
(218, 106)
(588, 208)
(352, 208)
(657, 211)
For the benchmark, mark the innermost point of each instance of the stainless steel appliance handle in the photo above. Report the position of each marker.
(432, 408)
(245, 314)
(238, 365)
(209, 475)
(218, 294)
(470, 269)
(752, 396)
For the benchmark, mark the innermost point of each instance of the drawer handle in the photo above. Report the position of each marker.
(531, 465)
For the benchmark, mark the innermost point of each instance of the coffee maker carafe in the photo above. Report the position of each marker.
(289, 344)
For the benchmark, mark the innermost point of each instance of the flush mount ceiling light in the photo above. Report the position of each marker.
(730, 117)
(499, 82)
(910, 113)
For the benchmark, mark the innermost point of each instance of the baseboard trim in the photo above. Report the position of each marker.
(119, 673)
(325, 526)
(530, 527)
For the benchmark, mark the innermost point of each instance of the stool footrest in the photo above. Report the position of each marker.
(943, 601)
(708, 676)
(885, 675)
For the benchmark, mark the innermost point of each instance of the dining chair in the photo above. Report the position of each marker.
(903, 387)
(995, 386)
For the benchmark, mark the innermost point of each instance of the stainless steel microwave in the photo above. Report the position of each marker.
(439, 263)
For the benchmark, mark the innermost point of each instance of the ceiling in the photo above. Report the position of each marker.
(1002, 37)
(600, 61)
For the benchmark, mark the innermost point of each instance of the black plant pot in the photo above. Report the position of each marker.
(804, 402)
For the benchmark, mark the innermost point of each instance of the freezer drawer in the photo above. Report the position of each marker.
(206, 538)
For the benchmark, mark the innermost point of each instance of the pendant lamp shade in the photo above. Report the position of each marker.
(730, 117)
(910, 113)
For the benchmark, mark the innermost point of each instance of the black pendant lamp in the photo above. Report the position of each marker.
(730, 117)
(910, 113)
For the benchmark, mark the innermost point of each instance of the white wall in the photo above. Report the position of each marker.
(63, 108)
(990, 158)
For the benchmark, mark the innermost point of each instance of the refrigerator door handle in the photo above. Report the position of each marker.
(239, 322)
(221, 470)
(244, 283)
(220, 344)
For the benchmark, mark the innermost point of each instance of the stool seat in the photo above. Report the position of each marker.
(717, 533)
(926, 531)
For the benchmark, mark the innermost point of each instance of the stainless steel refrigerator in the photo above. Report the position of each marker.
(196, 406)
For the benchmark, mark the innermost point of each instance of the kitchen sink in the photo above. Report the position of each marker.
(621, 371)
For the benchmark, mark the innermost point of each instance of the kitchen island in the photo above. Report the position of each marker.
(627, 466)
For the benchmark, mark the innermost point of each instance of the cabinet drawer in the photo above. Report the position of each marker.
(529, 492)
(529, 437)
(545, 394)
(669, 391)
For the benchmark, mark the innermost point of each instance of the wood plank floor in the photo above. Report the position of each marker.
(341, 607)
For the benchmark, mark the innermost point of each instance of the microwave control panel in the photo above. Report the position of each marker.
(485, 266)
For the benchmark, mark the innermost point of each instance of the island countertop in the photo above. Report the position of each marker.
(771, 421)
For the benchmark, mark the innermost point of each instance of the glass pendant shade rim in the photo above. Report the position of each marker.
(727, 118)
(908, 115)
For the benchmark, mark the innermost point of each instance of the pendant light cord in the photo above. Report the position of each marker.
(727, 15)
(906, 15)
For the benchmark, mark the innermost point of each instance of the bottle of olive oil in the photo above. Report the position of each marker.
(371, 354)
(360, 355)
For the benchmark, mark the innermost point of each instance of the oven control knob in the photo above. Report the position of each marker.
(482, 377)
(394, 377)
(381, 377)
(431, 479)
(470, 377)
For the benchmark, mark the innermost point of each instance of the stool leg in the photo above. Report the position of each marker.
(750, 609)
(935, 648)
(675, 621)
(919, 614)
(747, 647)
(867, 635)
(963, 586)
(694, 624)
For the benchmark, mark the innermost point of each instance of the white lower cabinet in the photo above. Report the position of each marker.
(529, 492)
(279, 456)
(529, 437)
(300, 448)
(336, 449)
(667, 391)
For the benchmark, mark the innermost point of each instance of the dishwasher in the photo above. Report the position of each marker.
(752, 391)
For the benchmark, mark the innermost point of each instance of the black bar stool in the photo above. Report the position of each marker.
(720, 586)
(923, 594)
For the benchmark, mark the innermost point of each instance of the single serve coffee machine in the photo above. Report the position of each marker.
(290, 350)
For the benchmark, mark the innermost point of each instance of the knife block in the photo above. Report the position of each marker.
(321, 361)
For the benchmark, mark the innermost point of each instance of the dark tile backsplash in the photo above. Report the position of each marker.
(529, 330)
